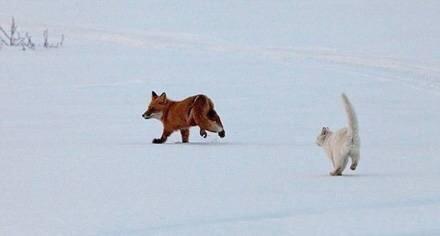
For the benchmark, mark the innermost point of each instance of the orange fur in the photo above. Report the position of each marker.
(181, 115)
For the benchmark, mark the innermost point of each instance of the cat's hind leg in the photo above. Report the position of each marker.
(355, 156)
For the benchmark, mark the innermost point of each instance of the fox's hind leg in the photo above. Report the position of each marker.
(203, 133)
(185, 135)
(211, 126)
(206, 117)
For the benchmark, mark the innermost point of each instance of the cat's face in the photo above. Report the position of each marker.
(322, 136)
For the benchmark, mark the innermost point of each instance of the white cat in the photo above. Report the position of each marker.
(342, 144)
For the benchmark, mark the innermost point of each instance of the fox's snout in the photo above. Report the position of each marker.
(146, 115)
(152, 114)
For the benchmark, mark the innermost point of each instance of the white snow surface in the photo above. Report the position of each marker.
(76, 156)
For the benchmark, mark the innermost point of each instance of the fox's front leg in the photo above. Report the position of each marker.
(164, 137)
(185, 135)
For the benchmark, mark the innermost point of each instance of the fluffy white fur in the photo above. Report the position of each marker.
(342, 144)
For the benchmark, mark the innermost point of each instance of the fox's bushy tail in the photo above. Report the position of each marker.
(353, 124)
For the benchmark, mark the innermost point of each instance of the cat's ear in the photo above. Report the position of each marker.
(324, 131)
(153, 94)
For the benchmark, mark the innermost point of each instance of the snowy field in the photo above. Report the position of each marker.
(76, 156)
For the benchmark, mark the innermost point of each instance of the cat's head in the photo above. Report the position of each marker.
(323, 136)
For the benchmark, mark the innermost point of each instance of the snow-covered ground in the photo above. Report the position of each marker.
(76, 156)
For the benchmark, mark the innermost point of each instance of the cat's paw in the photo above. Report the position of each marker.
(336, 172)
(353, 166)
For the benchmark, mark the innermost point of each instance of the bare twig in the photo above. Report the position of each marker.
(3, 41)
(4, 32)
(19, 41)
(62, 40)
(13, 30)
(29, 42)
(12, 37)
(46, 38)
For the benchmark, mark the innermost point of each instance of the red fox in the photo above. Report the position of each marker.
(181, 115)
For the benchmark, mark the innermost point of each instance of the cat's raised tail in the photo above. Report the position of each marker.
(353, 125)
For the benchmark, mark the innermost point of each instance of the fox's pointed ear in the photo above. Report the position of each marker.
(324, 130)
(163, 97)
(153, 94)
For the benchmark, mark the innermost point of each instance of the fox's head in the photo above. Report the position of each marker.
(156, 107)
(323, 136)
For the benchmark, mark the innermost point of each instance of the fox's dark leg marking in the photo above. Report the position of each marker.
(164, 137)
(185, 135)
(203, 133)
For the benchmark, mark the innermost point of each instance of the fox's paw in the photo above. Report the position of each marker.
(203, 133)
(222, 134)
(157, 140)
